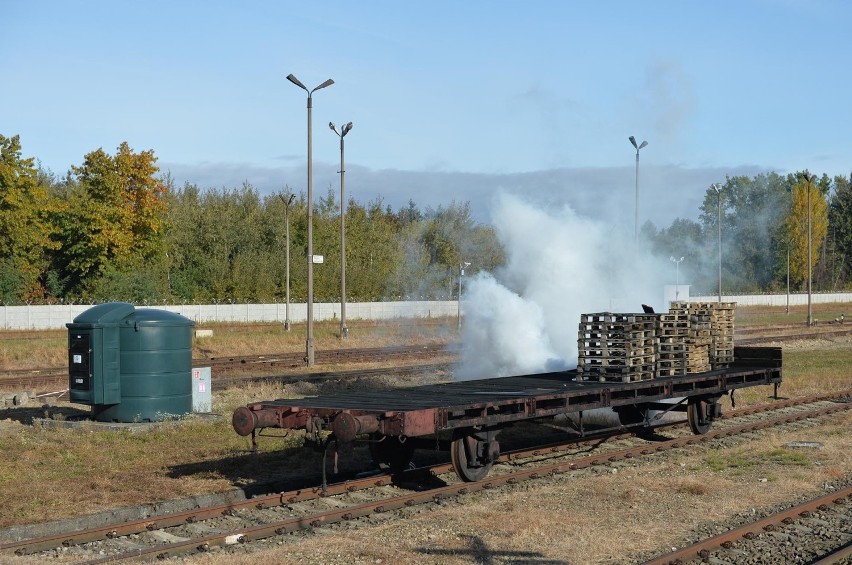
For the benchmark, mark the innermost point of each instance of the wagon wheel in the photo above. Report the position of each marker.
(389, 453)
(697, 414)
(469, 454)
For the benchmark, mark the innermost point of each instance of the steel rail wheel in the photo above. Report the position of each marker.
(701, 413)
(473, 453)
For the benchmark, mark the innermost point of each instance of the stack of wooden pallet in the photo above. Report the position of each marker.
(722, 351)
(674, 352)
(699, 338)
(617, 347)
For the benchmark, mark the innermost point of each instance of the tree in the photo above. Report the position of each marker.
(752, 234)
(25, 229)
(840, 221)
(806, 189)
(114, 214)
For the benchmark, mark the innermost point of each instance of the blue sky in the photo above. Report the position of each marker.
(450, 100)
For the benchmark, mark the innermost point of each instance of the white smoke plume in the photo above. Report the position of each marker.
(524, 318)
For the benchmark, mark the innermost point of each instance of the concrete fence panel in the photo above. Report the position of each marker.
(55, 316)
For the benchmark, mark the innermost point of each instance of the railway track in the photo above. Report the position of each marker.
(226, 368)
(276, 514)
(749, 339)
(816, 532)
(55, 378)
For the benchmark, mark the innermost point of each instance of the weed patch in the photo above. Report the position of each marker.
(740, 461)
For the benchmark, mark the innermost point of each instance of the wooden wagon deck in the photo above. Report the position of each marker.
(429, 409)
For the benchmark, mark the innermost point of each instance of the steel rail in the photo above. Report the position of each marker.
(791, 337)
(300, 495)
(296, 359)
(328, 375)
(28, 378)
(702, 548)
(243, 535)
(24, 547)
(834, 557)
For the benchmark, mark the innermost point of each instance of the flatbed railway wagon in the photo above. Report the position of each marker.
(471, 414)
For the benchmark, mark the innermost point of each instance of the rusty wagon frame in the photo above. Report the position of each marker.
(475, 411)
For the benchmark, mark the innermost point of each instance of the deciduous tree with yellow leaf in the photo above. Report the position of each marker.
(806, 189)
(25, 234)
(114, 213)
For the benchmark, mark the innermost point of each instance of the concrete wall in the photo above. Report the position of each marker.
(57, 315)
(777, 299)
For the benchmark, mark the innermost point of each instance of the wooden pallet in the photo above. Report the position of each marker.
(671, 372)
(671, 364)
(586, 363)
(641, 373)
(678, 347)
(617, 337)
(614, 318)
(674, 332)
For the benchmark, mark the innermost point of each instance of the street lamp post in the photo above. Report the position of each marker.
(461, 274)
(787, 310)
(309, 342)
(677, 276)
(809, 180)
(344, 331)
(718, 189)
(287, 203)
(638, 147)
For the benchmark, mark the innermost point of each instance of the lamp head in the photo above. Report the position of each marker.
(292, 78)
(332, 127)
(329, 82)
(631, 138)
(346, 128)
(644, 143)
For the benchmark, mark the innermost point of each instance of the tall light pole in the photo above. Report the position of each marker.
(718, 188)
(677, 276)
(638, 147)
(787, 310)
(344, 331)
(461, 274)
(309, 342)
(809, 180)
(287, 203)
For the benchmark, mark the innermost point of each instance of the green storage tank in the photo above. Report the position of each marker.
(93, 354)
(154, 351)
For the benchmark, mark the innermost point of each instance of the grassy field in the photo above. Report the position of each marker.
(48, 473)
(48, 348)
(748, 316)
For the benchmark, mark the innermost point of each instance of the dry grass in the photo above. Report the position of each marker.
(48, 348)
(775, 315)
(33, 349)
(603, 518)
(810, 367)
(49, 473)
